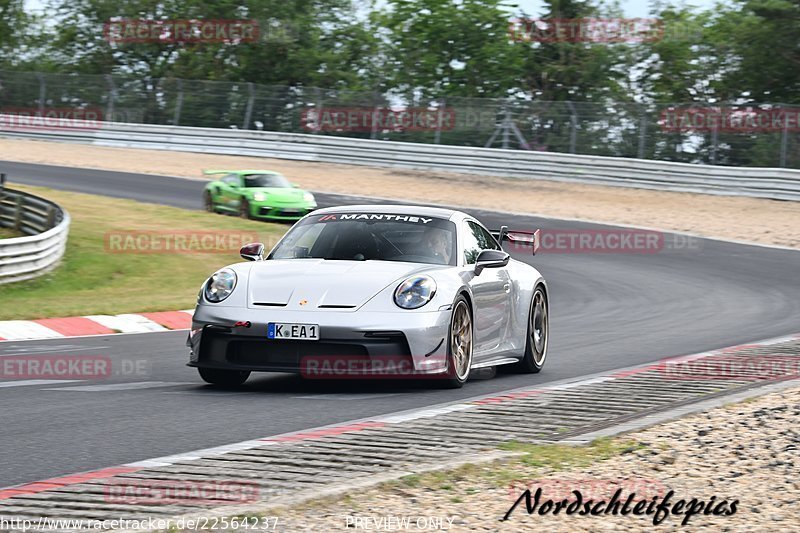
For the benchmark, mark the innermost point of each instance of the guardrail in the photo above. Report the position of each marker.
(45, 227)
(776, 183)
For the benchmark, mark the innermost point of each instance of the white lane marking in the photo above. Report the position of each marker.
(54, 348)
(27, 382)
(122, 386)
(13, 330)
(572, 385)
(423, 413)
(343, 397)
(127, 323)
(200, 454)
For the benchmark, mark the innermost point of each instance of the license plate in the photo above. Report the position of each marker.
(291, 212)
(303, 332)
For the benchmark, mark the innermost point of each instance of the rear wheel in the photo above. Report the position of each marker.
(208, 202)
(538, 334)
(228, 378)
(244, 209)
(459, 345)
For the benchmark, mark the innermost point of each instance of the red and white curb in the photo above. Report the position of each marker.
(363, 424)
(81, 326)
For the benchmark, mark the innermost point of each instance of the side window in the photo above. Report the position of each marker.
(476, 239)
(231, 179)
(472, 244)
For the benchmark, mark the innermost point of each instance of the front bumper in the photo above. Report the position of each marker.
(417, 340)
(281, 212)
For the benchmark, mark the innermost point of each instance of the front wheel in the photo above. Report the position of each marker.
(459, 345)
(228, 378)
(538, 334)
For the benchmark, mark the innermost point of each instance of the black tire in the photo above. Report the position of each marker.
(457, 374)
(227, 378)
(538, 335)
(208, 202)
(244, 209)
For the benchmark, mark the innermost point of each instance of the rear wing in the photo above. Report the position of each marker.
(212, 172)
(518, 238)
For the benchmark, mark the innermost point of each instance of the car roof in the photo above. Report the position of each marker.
(392, 209)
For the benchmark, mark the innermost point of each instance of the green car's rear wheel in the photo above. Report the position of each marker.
(244, 209)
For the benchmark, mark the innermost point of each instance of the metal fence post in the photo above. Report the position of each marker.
(248, 112)
(642, 133)
(112, 95)
(573, 132)
(714, 144)
(18, 214)
(51, 217)
(784, 141)
(176, 118)
(438, 135)
(42, 91)
(506, 126)
(375, 114)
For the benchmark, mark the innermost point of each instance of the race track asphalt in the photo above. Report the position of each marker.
(608, 310)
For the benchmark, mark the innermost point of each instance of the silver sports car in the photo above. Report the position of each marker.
(374, 291)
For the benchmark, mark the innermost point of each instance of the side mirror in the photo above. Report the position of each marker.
(253, 251)
(490, 259)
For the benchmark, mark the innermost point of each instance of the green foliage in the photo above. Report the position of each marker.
(601, 98)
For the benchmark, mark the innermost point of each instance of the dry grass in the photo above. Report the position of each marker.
(104, 276)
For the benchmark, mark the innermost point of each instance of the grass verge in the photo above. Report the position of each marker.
(8, 233)
(110, 268)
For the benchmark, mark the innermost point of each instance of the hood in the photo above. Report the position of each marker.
(282, 194)
(322, 284)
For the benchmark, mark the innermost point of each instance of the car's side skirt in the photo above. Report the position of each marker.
(496, 362)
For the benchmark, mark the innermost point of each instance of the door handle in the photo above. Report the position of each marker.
(507, 287)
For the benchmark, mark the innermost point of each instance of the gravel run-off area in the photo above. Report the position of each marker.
(747, 451)
(749, 219)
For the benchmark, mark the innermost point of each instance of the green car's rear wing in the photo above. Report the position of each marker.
(518, 238)
(212, 172)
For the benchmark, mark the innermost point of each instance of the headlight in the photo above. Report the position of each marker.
(415, 292)
(308, 197)
(220, 285)
(259, 197)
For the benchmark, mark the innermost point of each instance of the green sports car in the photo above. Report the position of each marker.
(256, 194)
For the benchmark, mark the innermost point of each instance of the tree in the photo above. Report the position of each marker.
(14, 23)
(437, 48)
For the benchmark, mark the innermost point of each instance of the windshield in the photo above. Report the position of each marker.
(266, 180)
(371, 236)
